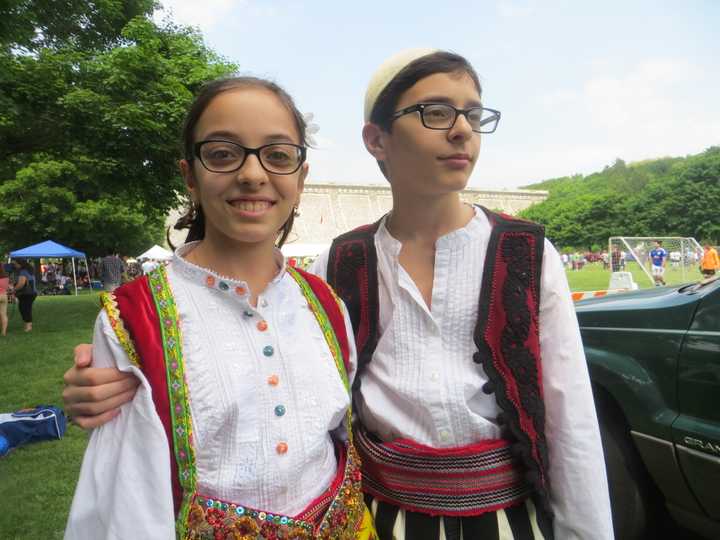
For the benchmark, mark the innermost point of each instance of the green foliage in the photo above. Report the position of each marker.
(664, 197)
(91, 112)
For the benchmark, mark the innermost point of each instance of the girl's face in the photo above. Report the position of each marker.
(431, 162)
(249, 205)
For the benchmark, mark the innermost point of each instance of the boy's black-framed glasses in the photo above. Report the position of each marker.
(444, 116)
(221, 156)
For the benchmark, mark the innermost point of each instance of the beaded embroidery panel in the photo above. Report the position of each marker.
(177, 391)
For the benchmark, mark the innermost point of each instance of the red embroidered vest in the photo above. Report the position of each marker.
(135, 307)
(506, 331)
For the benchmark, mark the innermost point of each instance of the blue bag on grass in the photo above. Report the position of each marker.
(41, 423)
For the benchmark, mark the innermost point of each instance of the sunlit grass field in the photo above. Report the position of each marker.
(37, 481)
(593, 278)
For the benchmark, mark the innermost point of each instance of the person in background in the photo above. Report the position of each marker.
(4, 293)
(710, 261)
(25, 291)
(658, 260)
(111, 271)
(148, 266)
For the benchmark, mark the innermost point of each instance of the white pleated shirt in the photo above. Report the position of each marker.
(249, 390)
(422, 382)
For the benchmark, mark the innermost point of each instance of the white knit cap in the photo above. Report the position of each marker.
(387, 72)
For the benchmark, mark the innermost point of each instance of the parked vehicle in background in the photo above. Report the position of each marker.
(654, 361)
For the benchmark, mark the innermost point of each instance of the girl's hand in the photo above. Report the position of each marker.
(93, 396)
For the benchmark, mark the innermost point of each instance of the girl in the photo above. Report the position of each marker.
(239, 428)
(25, 291)
(4, 292)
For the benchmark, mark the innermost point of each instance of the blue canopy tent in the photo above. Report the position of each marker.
(50, 249)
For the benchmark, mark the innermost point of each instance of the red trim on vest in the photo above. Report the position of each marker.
(139, 315)
(332, 310)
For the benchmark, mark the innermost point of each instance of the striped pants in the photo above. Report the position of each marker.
(513, 523)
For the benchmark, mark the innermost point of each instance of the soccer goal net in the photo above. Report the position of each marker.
(634, 254)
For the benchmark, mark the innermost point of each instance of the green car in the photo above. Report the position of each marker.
(654, 361)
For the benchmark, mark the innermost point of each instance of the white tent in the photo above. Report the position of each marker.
(157, 253)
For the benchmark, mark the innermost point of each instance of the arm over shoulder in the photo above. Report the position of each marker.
(124, 490)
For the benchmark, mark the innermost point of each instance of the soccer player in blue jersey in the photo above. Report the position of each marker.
(658, 257)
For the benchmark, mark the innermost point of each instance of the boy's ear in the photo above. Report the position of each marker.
(374, 139)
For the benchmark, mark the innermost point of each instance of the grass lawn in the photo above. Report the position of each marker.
(37, 481)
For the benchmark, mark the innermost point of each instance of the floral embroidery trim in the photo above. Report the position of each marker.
(324, 323)
(177, 391)
(337, 516)
(109, 304)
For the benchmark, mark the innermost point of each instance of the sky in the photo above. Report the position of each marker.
(579, 83)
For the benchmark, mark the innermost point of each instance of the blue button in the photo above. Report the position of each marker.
(280, 410)
(248, 313)
(268, 350)
(223, 286)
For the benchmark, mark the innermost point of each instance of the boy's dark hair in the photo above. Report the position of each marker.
(194, 218)
(438, 62)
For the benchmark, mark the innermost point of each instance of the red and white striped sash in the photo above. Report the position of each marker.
(464, 481)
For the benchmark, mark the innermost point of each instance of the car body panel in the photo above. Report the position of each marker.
(656, 353)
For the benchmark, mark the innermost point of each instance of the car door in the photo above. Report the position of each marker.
(696, 431)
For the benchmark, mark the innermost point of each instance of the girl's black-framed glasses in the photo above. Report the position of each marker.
(444, 116)
(221, 156)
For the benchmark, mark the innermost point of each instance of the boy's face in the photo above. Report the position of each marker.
(429, 162)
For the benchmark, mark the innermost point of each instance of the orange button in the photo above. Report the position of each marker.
(240, 290)
(273, 380)
(281, 448)
(262, 326)
(210, 281)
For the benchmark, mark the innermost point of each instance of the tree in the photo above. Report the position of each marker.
(90, 135)
(665, 197)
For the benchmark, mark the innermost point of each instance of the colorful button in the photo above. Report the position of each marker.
(223, 286)
(281, 448)
(262, 326)
(210, 281)
(268, 350)
(240, 290)
(273, 380)
(280, 410)
(248, 313)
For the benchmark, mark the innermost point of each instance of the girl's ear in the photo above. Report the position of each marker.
(374, 139)
(186, 171)
(304, 170)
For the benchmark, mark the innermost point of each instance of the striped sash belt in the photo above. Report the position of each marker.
(464, 481)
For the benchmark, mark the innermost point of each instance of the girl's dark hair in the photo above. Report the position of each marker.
(194, 218)
(437, 62)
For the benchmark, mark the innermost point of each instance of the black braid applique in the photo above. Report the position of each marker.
(516, 243)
